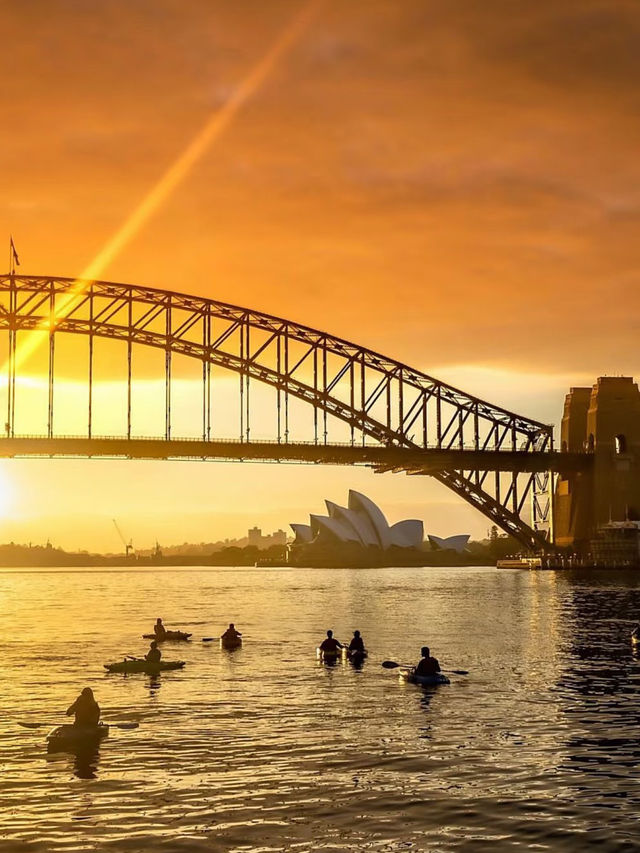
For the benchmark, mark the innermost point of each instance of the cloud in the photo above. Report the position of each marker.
(461, 178)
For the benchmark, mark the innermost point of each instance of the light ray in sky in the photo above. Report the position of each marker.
(174, 175)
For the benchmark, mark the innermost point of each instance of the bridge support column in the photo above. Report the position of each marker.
(604, 421)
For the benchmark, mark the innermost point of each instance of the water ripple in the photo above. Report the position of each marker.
(264, 749)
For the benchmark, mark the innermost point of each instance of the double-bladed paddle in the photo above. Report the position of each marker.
(391, 664)
(111, 725)
(213, 639)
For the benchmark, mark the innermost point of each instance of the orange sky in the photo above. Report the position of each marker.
(452, 184)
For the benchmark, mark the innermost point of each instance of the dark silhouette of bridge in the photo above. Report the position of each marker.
(361, 407)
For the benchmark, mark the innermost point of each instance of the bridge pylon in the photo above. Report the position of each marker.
(603, 422)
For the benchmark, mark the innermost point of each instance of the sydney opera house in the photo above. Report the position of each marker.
(360, 535)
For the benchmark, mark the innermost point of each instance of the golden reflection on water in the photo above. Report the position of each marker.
(263, 749)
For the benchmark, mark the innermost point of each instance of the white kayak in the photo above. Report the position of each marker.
(410, 677)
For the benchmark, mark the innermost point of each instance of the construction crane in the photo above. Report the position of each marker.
(128, 546)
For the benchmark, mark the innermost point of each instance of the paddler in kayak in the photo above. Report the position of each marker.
(154, 654)
(159, 630)
(428, 665)
(357, 644)
(231, 635)
(85, 708)
(330, 646)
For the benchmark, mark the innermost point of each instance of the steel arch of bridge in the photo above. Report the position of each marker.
(383, 402)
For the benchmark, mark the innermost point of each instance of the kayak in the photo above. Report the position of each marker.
(356, 655)
(230, 643)
(169, 636)
(410, 677)
(330, 657)
(144, 666)
(70, 738)
(635, 639)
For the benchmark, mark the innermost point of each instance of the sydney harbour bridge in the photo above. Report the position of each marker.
(330, 401)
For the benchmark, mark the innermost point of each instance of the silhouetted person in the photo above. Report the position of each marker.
(357, 643)
(428, 665)
(85, 708)
(330, 645)
(231, 633)
(159, 630)
(154, 654)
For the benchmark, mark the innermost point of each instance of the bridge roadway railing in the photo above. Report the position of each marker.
(409, 460)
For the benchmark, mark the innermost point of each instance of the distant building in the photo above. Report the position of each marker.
(279, 538)
(254, 535)
(257, 540)
(359, 534)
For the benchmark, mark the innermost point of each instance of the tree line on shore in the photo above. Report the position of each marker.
(478, 552)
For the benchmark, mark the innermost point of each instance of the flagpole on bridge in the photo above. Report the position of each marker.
(14, 260)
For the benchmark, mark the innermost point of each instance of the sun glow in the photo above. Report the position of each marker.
(7, 493)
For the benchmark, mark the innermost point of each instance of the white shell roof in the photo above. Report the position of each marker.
(407, 534)
(334, 527)
(364, 506)
(302, 531)
(359, 523)
(363, 522)
(451, 543)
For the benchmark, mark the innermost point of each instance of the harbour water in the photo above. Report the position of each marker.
(264, 749)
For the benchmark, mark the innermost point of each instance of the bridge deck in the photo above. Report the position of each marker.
(386, 458)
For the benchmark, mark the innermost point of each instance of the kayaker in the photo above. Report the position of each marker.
(154, 654)
(85, 708)
(330, 645)
(357, 643)
(428, 665)
(231, 633)
(159, 630)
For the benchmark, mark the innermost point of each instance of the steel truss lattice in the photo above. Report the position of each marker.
(381, 401)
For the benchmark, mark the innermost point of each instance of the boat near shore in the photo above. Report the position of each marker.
(615, 545)
(547, 562)
(559, 562)
(521, 563)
